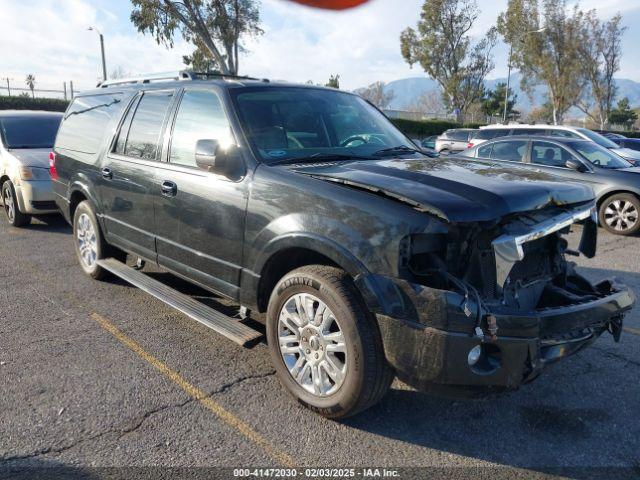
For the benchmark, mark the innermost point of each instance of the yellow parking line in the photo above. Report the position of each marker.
(635, 331)
(199, 395)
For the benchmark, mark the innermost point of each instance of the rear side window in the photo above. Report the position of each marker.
(485, 151)
(554, 132)
(491, 133)
(143, 138)
(459, 135)
(85, 122)
(512, 150)
(529, 131)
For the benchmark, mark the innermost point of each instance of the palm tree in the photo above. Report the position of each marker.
(31, 83)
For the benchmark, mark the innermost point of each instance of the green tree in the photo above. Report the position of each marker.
(213, 26)
(441, 44)
(600, 51)
(548, 56)
(200, 60)
(493, 102)
(623, 114)
(334, 81)
(31, 83)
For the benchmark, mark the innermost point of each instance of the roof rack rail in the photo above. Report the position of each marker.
(180, 75)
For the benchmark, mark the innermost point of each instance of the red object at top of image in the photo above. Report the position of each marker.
(332, 4)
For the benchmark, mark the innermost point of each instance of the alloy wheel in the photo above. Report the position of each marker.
(9, 204)
(621, 215)
(87, 240)
(312, 344)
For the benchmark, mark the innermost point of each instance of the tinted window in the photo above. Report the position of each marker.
(144, 134)
(459, 135)
(485, 151)
(599, 156)
(491, 133)
(513, 150)
(596, 137)
(633, 145)
(529, 131)
(29, 131)
(554, 132)
(549, 154)
(85, 122)
(199, 117)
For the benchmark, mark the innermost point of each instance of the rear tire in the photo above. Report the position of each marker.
(620, 214)
(11, 209)
(88, 240)
(334, 363)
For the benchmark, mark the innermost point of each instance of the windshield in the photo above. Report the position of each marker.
(29, 132)
(596, 137)
(599, 156)
(301, 123)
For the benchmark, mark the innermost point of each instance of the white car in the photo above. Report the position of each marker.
(494, 131)
(26, 139)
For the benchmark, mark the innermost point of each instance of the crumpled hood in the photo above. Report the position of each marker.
(455, 189)
(32, 157)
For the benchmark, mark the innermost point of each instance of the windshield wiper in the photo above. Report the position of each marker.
(393, 150)
(320, 157)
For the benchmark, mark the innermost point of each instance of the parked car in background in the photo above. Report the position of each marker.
(305, 204)
(614, 180)
(628, 143)
(454, 140)
(429, 142)
(494, 131)
(26, 139)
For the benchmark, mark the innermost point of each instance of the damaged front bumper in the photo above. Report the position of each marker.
(430, 341)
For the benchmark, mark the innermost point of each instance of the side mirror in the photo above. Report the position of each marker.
(206, 153)
(575, 165)
(210, 156)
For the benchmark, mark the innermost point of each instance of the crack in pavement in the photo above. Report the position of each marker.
(138, 423)
(617, 356)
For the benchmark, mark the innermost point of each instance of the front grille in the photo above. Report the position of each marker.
(44, 205)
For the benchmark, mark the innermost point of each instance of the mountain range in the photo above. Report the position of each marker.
(407, 90)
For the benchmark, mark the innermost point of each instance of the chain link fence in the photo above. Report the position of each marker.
(13, 87)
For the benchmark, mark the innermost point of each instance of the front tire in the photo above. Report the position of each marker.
(325, 344)
(620, 214)
(12, 211)
(88, 240)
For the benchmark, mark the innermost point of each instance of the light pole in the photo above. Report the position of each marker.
(506, 93)
(104, 62)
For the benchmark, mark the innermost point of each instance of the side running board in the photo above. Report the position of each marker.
(217, 321)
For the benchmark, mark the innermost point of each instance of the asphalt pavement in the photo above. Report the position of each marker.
(100, 374)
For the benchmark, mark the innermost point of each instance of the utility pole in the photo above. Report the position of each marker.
(104, 62)
(8, 86)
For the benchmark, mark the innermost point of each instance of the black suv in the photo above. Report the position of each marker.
(369, 259)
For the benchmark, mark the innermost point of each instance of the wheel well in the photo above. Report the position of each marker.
(3, 179)
(282, 263)
(76, 198)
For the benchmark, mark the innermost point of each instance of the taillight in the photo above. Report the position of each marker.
(53, 173)
(469, 145)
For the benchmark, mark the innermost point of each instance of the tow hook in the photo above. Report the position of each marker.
(615, 327)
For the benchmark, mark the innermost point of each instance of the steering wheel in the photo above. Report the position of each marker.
(353, 138)
(596, 162)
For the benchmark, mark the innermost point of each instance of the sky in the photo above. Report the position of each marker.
(49, 38)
